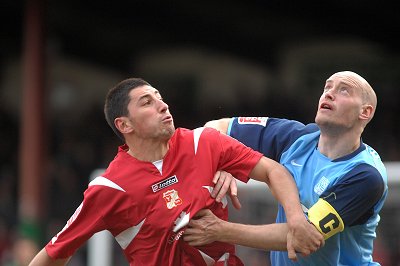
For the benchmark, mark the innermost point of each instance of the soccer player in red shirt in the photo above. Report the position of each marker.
(157, 182)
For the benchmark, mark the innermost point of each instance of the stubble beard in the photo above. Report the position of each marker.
(167, 132)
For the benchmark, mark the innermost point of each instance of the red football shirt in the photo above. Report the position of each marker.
(146, 206)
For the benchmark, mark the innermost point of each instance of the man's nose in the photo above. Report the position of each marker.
(163, 106)
(329, 94)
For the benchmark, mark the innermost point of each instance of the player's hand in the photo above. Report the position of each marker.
(203, 228)
(225, 183)
(303, 238)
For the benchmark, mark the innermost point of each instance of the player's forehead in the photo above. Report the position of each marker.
(346, 78)
(142, 92)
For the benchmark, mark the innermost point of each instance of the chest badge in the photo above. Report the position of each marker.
(172, 198)
(321, 185)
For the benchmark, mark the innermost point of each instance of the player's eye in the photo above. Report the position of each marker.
(146, 102)
(344, 90)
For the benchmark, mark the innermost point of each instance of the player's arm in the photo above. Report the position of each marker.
(43, 259)
(302, 238)
(86, 221)
(220, 124)
(349, 202)
(206, 228)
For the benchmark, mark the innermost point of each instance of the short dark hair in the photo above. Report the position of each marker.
(117, 100)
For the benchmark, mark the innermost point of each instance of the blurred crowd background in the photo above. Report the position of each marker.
(209, 59)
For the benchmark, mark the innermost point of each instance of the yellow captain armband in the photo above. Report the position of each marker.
(325, 218)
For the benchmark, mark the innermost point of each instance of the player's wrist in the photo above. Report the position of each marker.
(295, 219)
(224, 231)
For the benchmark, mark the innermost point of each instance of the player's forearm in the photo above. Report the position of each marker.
(43, 259)
(266, 237)
(284, 189)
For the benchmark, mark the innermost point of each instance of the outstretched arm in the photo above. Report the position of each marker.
(43, 259)
(206, 228)
(301, 237)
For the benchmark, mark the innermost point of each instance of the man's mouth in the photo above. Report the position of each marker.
(326, 106)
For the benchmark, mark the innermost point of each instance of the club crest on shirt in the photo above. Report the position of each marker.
(253, 120)
(164, 183)
(172, 198)
(321, 185)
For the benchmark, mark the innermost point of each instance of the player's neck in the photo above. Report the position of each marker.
(148, 151)
(338, 146)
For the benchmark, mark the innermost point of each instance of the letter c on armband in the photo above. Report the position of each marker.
(325, 218)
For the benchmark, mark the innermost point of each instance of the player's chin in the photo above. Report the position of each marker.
(168, 131)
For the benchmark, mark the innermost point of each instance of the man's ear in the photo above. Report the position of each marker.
(123, 124)
(366, 112)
